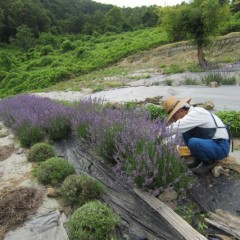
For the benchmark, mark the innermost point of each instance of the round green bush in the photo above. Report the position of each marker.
(53, 171)
(93, 221)
(40, 152)
(79, 189)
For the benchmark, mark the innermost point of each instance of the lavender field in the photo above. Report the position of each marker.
(127, 138)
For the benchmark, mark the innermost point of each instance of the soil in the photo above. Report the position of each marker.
(6, 152)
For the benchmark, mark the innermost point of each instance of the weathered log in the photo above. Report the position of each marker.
(225, 222)
(139, 217)
(170, 216)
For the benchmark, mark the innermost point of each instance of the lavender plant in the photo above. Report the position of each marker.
(32, 118)
(87, 110)
(142, 156)
(126, 137)
(104, 131)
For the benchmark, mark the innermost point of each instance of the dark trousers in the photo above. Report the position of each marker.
(207, 150)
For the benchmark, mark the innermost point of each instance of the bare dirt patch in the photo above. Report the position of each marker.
(236, 143)
(6, 152)
(16, 206)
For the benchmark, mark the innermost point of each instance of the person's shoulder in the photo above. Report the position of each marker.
(198, 110)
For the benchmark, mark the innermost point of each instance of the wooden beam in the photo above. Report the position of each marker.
(226, 222)
(178, 223)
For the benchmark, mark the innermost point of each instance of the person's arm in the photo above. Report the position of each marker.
(193, 119)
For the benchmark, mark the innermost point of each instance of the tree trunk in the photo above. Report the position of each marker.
(201, 59)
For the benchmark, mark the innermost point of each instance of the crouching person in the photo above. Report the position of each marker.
(202, 131)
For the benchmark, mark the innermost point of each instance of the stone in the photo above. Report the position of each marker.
(209, 105)
(213, 84)
(168, 195)
(67, 210)
(53, 192)
(217, 171)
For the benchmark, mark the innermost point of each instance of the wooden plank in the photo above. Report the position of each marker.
(226, 222)
(181, 226)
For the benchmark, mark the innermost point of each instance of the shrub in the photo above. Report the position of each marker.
(40, 152)
(143, 158)
(174, 68)
(53, 171)
(59, 128)
(231, 118)
(156, 111)
(45, 50)
(81, 51)
(82, 130)
(219, 78)
(67, 45)
(93, 221)
(29, 135)
(168, 82)
(107, 147)
(190, 81)
(79, 189)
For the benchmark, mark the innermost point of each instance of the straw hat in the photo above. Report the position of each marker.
(171, 105)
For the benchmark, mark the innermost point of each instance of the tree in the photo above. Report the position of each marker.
(1, 22)
(115, 18)
(24, 38)
(199, 21)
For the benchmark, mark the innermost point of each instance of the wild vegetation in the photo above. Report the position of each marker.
(49, 42)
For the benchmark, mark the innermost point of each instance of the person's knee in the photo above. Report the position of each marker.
(193, 143)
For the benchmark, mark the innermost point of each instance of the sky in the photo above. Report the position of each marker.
(139, 3)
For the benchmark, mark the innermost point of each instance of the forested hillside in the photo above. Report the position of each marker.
(70, 16)
(44, 42)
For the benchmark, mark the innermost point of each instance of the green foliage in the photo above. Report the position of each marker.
(231, 118)
(168, 82)
(194, 21)
(80, 189)
(59, 128)
(82, 131)
(130, 105)
(45, 50)
(24, 38)
(29, 135)
(40, 152)
(93, 221)
(67, 45)
(53, 171)
(79, 57)
(190, 81)
(6, 62)
(194, 68)
(174, 68)
(219, 78)
(107, 147)
(190, 214)
(81, 52)
(168, 171)
(156, 111)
